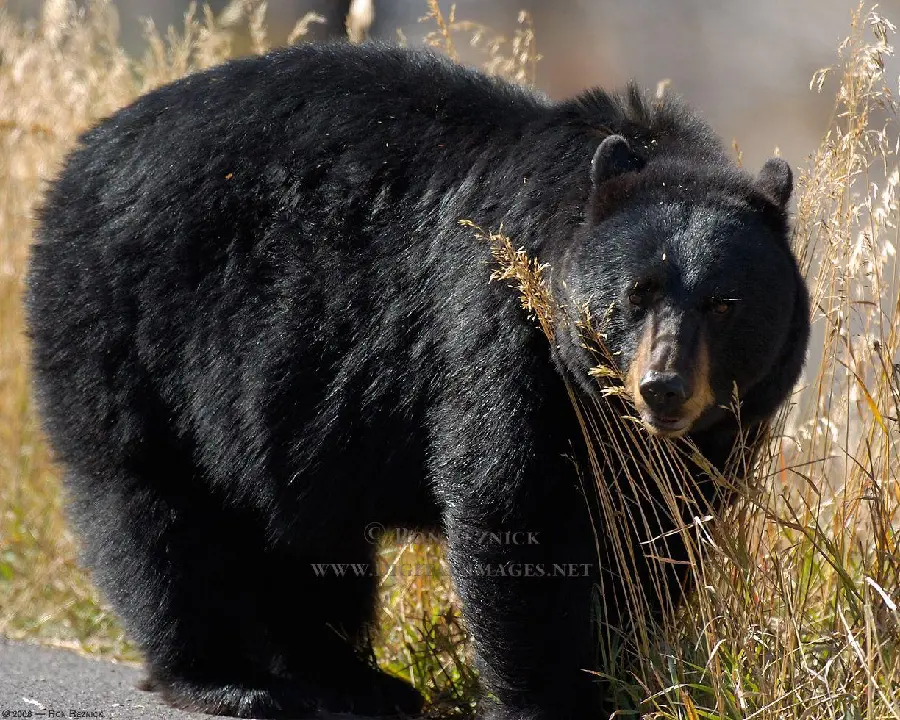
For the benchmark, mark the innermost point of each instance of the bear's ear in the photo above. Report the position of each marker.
(613, 157)
(777, 180)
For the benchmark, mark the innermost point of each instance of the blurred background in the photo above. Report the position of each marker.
(745, 65)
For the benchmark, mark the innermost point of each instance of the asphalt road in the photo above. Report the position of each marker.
(41, 682)
(51, 683)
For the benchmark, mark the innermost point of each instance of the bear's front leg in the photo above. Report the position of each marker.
(526, 590)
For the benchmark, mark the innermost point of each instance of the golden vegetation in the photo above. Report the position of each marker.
(795, 613)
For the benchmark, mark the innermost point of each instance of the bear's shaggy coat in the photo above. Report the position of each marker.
(258, 328)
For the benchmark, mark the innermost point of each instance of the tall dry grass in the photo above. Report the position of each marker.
(795, 612)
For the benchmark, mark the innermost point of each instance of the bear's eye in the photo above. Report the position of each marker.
(640, 294)
(721, 306)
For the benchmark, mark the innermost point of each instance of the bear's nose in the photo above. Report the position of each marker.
(664, 392)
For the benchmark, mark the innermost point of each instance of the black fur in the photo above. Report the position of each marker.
(258, 327)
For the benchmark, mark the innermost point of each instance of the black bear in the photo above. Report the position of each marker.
(258, 327)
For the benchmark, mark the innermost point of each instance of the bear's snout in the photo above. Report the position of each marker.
(665, 393)
(669, 375)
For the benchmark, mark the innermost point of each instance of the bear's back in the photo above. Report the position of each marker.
(301, 99)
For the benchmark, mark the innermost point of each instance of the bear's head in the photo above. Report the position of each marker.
(685, 266)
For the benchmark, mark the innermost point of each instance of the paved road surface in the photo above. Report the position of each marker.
(51, 683)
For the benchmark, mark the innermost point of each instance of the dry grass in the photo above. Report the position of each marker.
(795, 613)
(796, 609)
